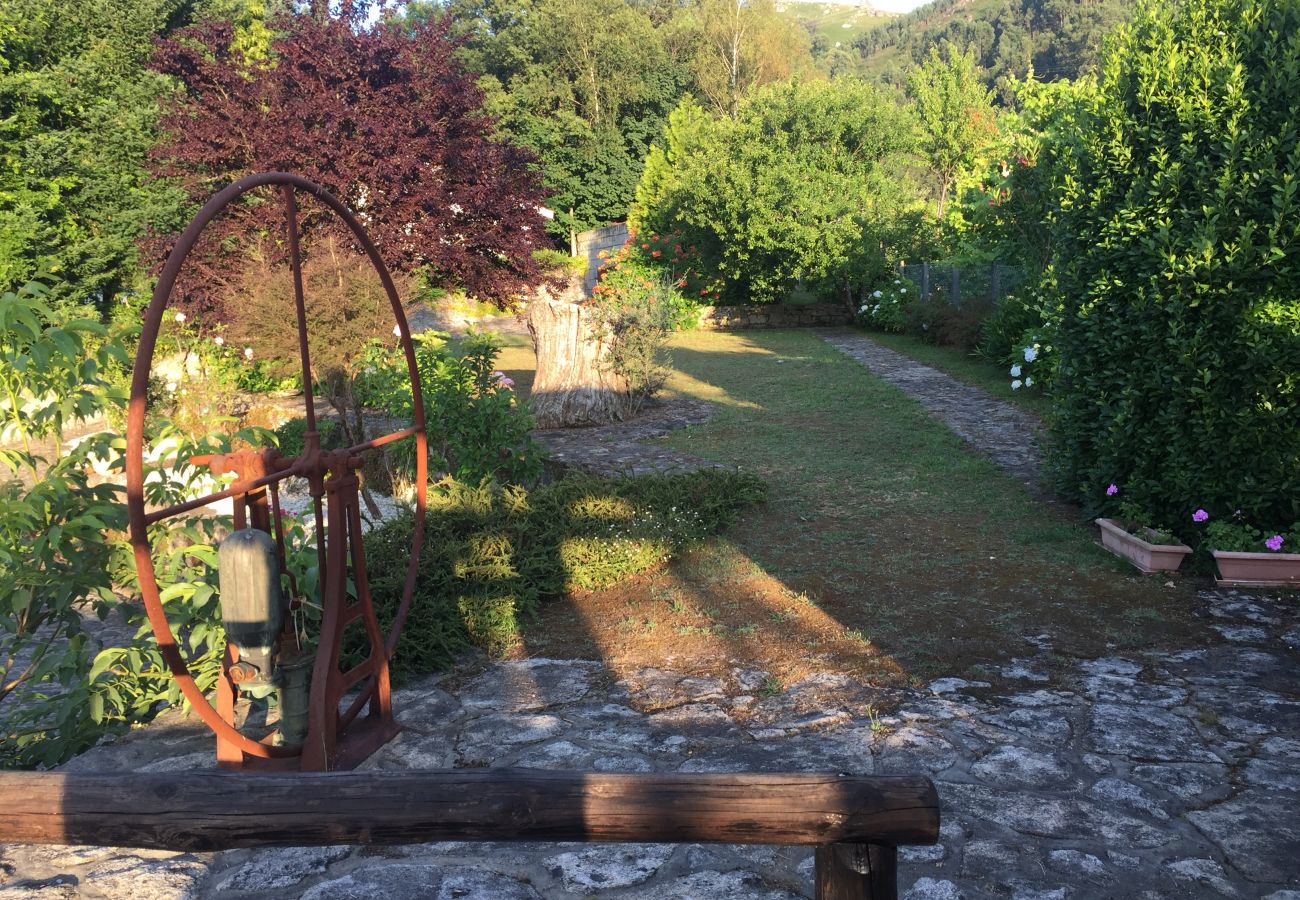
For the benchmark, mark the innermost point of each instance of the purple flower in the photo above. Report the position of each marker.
(1200, 515)
(1274, 543)
(1112, 490)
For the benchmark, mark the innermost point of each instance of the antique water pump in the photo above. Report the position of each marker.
(322, 725)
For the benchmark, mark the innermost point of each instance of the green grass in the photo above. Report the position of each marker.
(965, 367)
(953, 562)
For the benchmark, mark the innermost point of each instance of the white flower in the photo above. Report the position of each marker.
(1015, 371)
(1015, 385)
(248, 353)
(397, 331)
(1029, 382)
(1030, 354)
(877, 294)
(456, 208)
(180, 318)
(219, 341)
(862, 311)
(171, 387)
(896, 281)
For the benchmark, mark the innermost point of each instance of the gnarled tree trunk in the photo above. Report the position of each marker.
(573, 385)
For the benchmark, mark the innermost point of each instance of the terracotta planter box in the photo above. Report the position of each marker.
(1257, 569)
(1145, 556)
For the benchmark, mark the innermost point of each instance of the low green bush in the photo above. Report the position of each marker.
(289, 436)
(885, 308)
(476, 426)
(492, 554)
(1007, 322)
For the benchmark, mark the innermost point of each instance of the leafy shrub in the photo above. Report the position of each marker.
(491, 554)
(1004, 329)
(1179, 336)
(808, 182)
(61, 557)
(885, 309)
(476, 427)
(289, 437)
(936, 321)
(678, 262)
(638, 308)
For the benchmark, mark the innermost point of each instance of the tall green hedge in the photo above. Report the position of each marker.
(1178, 259)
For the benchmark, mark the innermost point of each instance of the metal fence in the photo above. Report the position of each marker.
(960, 283)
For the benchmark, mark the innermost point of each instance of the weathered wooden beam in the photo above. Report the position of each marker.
(220, 810)
(856, 871)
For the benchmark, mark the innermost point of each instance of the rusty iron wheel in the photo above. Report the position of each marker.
(140, 518)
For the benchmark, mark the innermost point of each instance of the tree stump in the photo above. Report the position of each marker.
(573, 386)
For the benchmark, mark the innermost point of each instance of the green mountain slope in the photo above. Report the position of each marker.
(831, 24)
(1058, 38)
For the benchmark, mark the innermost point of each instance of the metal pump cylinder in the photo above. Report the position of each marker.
(252, 606)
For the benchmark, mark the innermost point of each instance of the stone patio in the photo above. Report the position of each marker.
(1173, 774)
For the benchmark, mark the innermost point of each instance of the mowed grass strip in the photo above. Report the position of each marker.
(896, 528)
(888, 550)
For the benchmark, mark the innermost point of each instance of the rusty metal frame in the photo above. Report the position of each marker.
(334, 739)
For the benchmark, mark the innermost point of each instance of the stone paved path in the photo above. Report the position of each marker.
(999, 429)
(619, 449)
(1162, 775)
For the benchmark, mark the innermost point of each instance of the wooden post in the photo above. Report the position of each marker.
(925, 280)
(856, 872)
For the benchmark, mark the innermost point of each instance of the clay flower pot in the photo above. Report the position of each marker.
(1144, 555)
(1257, 569)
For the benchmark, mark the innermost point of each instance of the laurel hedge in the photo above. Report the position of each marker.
(1178, 261)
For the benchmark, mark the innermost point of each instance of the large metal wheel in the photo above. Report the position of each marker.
(313, 465)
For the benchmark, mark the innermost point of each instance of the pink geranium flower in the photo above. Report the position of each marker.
(1200, 516)
(1274, 543)
(1112, 490)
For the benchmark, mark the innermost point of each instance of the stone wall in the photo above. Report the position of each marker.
(589, 245)
(726, 318)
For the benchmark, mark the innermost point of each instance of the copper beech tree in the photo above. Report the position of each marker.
(389, 122)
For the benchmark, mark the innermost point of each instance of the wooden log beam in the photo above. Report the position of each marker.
(220, 810)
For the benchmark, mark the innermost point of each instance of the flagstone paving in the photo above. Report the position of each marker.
(1171, 774)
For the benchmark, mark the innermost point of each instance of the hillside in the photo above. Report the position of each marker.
(834, 28)
(1059, 38)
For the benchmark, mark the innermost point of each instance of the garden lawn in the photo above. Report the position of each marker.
(888, 549)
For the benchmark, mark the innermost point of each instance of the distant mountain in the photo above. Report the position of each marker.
(1059, 38)
(834, 25)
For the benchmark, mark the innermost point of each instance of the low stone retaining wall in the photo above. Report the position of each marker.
(727, 318)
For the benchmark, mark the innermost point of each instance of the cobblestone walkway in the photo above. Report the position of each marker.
(1005, 433)
(1157, 775)
(619, 449)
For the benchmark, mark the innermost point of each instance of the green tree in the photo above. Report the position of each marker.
(955, 113)
(684, 135)
(809, 182)
(77, 117)
(585, 85)
(1176, 254)
(737, 46)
